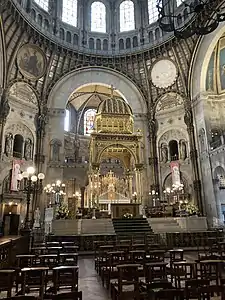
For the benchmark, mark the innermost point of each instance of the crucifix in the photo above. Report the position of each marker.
(112, 90)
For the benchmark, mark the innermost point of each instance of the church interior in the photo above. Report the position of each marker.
(112, 149)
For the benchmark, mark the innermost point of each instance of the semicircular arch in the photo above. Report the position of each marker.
(113, 145)
(200, 61)
(63, 89)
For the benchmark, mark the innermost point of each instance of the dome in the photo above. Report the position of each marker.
(114, 116)
(114, 105)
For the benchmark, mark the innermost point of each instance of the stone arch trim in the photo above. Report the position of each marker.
(200, 61)
(61, 91)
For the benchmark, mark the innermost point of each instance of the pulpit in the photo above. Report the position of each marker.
(118, 210)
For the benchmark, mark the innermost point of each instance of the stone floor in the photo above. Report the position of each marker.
(90, 283)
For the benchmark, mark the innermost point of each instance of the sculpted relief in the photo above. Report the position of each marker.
(76, 148)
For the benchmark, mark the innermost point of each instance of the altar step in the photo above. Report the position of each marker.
(131, 226)
(98, 226)
(164, 225)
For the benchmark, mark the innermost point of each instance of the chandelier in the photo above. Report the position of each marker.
(199, 17)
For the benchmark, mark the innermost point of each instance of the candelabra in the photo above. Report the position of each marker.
(154, 197)
(32, 184)
(167, 193)
(178, 189)
(55, 192)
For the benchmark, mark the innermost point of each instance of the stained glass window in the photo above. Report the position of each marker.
(89, 118)
(127, 16)
(152, 11)
(67, 120)
(43, 4)
(98, 17)
(179, 2)
(69, 13)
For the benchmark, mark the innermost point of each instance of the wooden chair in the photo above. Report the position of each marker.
(68, 296)
(68, 259)
(155, 255)
(48, 260)
(155, 271)
(23, 297)
(34, 278)
(211, 269)
(66, 277)
(6, 280)
(183, 271)
(70, 248)
(169, 294)
(110, 271)
(192, 286)
(128, 279)
(137, 256)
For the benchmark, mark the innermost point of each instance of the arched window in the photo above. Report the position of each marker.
(179, 2)
(43, 4)
(69, 13)
(18, 146)
(174, 154)
(89, 118)
(127, 21)
(67, 120)
(152, 11)
(98, 17)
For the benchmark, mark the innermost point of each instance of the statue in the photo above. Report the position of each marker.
(8, 144)
(164, 153)
(28, 149)
(55, 151)
(76, 147)
(37, 217)
(183, 151)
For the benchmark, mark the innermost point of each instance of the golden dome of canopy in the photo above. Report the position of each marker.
(114, 105)
(114, 116)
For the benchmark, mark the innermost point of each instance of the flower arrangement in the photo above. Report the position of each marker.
(62, 212)
(128, 216)
(191, 209)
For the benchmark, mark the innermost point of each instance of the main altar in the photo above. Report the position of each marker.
(116, 158)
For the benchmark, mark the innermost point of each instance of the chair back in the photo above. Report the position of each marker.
(68, 296)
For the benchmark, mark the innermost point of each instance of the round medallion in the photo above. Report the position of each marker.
(164, 73)
(31, 61)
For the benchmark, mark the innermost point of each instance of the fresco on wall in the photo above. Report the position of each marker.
(31, 61)
(222, 63)
(210, 73)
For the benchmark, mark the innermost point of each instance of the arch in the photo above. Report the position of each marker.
(3, 58)
(174, 150)
(121, 44)
(98, 44)
(18, 146)
(68, 37)
(43, 4)
(127, 19)
(105, 45)
(200, 61)
(98, 17)
(69, 12)
(112, 145)
(61, 91)
(152, 11)
(39, 19)
(91, 43)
